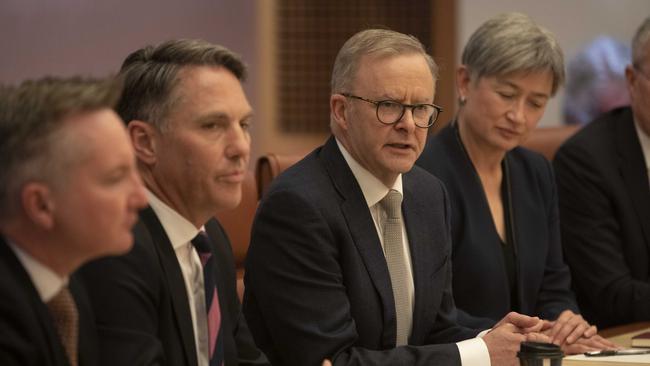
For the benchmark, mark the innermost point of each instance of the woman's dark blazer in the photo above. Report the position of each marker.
(480, 282)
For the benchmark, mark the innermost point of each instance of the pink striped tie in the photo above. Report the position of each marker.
(203, 246)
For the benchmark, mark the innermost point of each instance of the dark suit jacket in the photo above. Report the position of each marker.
(605, 211)
(480, 282)
(28, 336)
(317, 283)
(141, 304)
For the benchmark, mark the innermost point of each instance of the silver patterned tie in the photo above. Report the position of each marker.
(395, 258)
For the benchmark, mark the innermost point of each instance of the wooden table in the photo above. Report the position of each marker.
(622, 335)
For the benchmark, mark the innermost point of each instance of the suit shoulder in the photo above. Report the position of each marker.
(597, 137)
(424, 184)
(424, 178)
(308, 179)
(434, 157)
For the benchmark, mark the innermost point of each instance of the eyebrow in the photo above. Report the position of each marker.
(400, 100)
(221, 116)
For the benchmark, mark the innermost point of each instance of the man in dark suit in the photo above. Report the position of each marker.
(69, 192)
(350, 249)
(172, 300)
(604, 198)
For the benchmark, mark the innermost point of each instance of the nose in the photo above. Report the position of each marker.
(239, 143)
(517, 113)
(407, 122)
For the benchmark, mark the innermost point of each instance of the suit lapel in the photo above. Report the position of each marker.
(633, 169)
(423, 259)
(24, 283)
(174, 277)
(363, 232)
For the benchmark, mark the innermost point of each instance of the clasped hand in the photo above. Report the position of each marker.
(574, 334)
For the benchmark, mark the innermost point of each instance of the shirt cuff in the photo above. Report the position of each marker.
(473, 352)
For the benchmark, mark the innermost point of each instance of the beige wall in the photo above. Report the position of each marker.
(91, 38)
(65, 37)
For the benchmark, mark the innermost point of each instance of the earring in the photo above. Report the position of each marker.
(462, 100)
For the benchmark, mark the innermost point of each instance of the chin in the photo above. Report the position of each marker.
(402, 167)
(123, 245)
(229, 203)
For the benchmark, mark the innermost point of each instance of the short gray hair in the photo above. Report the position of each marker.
(33, 145)
(511, 43)
(379, 42)
(151, 73)
(639, 42)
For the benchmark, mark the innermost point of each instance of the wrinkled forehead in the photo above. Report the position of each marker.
(379, 67)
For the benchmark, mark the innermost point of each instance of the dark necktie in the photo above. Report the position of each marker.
(66, 320)
(202, 244)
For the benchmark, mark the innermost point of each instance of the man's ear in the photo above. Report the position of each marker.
(339, 110)
(463, 79)
(144, 138)
(38, 204)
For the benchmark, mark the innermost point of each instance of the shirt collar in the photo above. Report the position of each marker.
(179, 230)
(373, 189)
(47, 282)
(645, 143)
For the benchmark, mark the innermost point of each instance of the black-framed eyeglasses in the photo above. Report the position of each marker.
(390, 112)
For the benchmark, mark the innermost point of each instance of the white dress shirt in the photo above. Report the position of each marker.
(181, 232)
(47, 282)
(473, 352)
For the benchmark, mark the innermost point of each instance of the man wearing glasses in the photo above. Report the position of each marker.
(604, 199)
(350, 250)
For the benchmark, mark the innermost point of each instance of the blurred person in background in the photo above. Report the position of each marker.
(596, 81)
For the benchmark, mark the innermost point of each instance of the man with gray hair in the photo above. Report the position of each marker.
(69, 193)
(604, 197)
(350, 250)
(172, 300)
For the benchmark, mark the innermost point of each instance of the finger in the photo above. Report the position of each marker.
(558, 324)
(535, 328)
(574, 327)
(520, 320)
(558, 333)
(592, 331)
(327, 362)
(538, 337)
(578, 331)
(510, 328)
(603, 343)
(547, 324)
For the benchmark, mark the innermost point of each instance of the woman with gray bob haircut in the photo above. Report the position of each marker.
(505, 227)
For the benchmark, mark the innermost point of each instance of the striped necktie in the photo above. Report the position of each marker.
(203, 246)
(66, 320)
